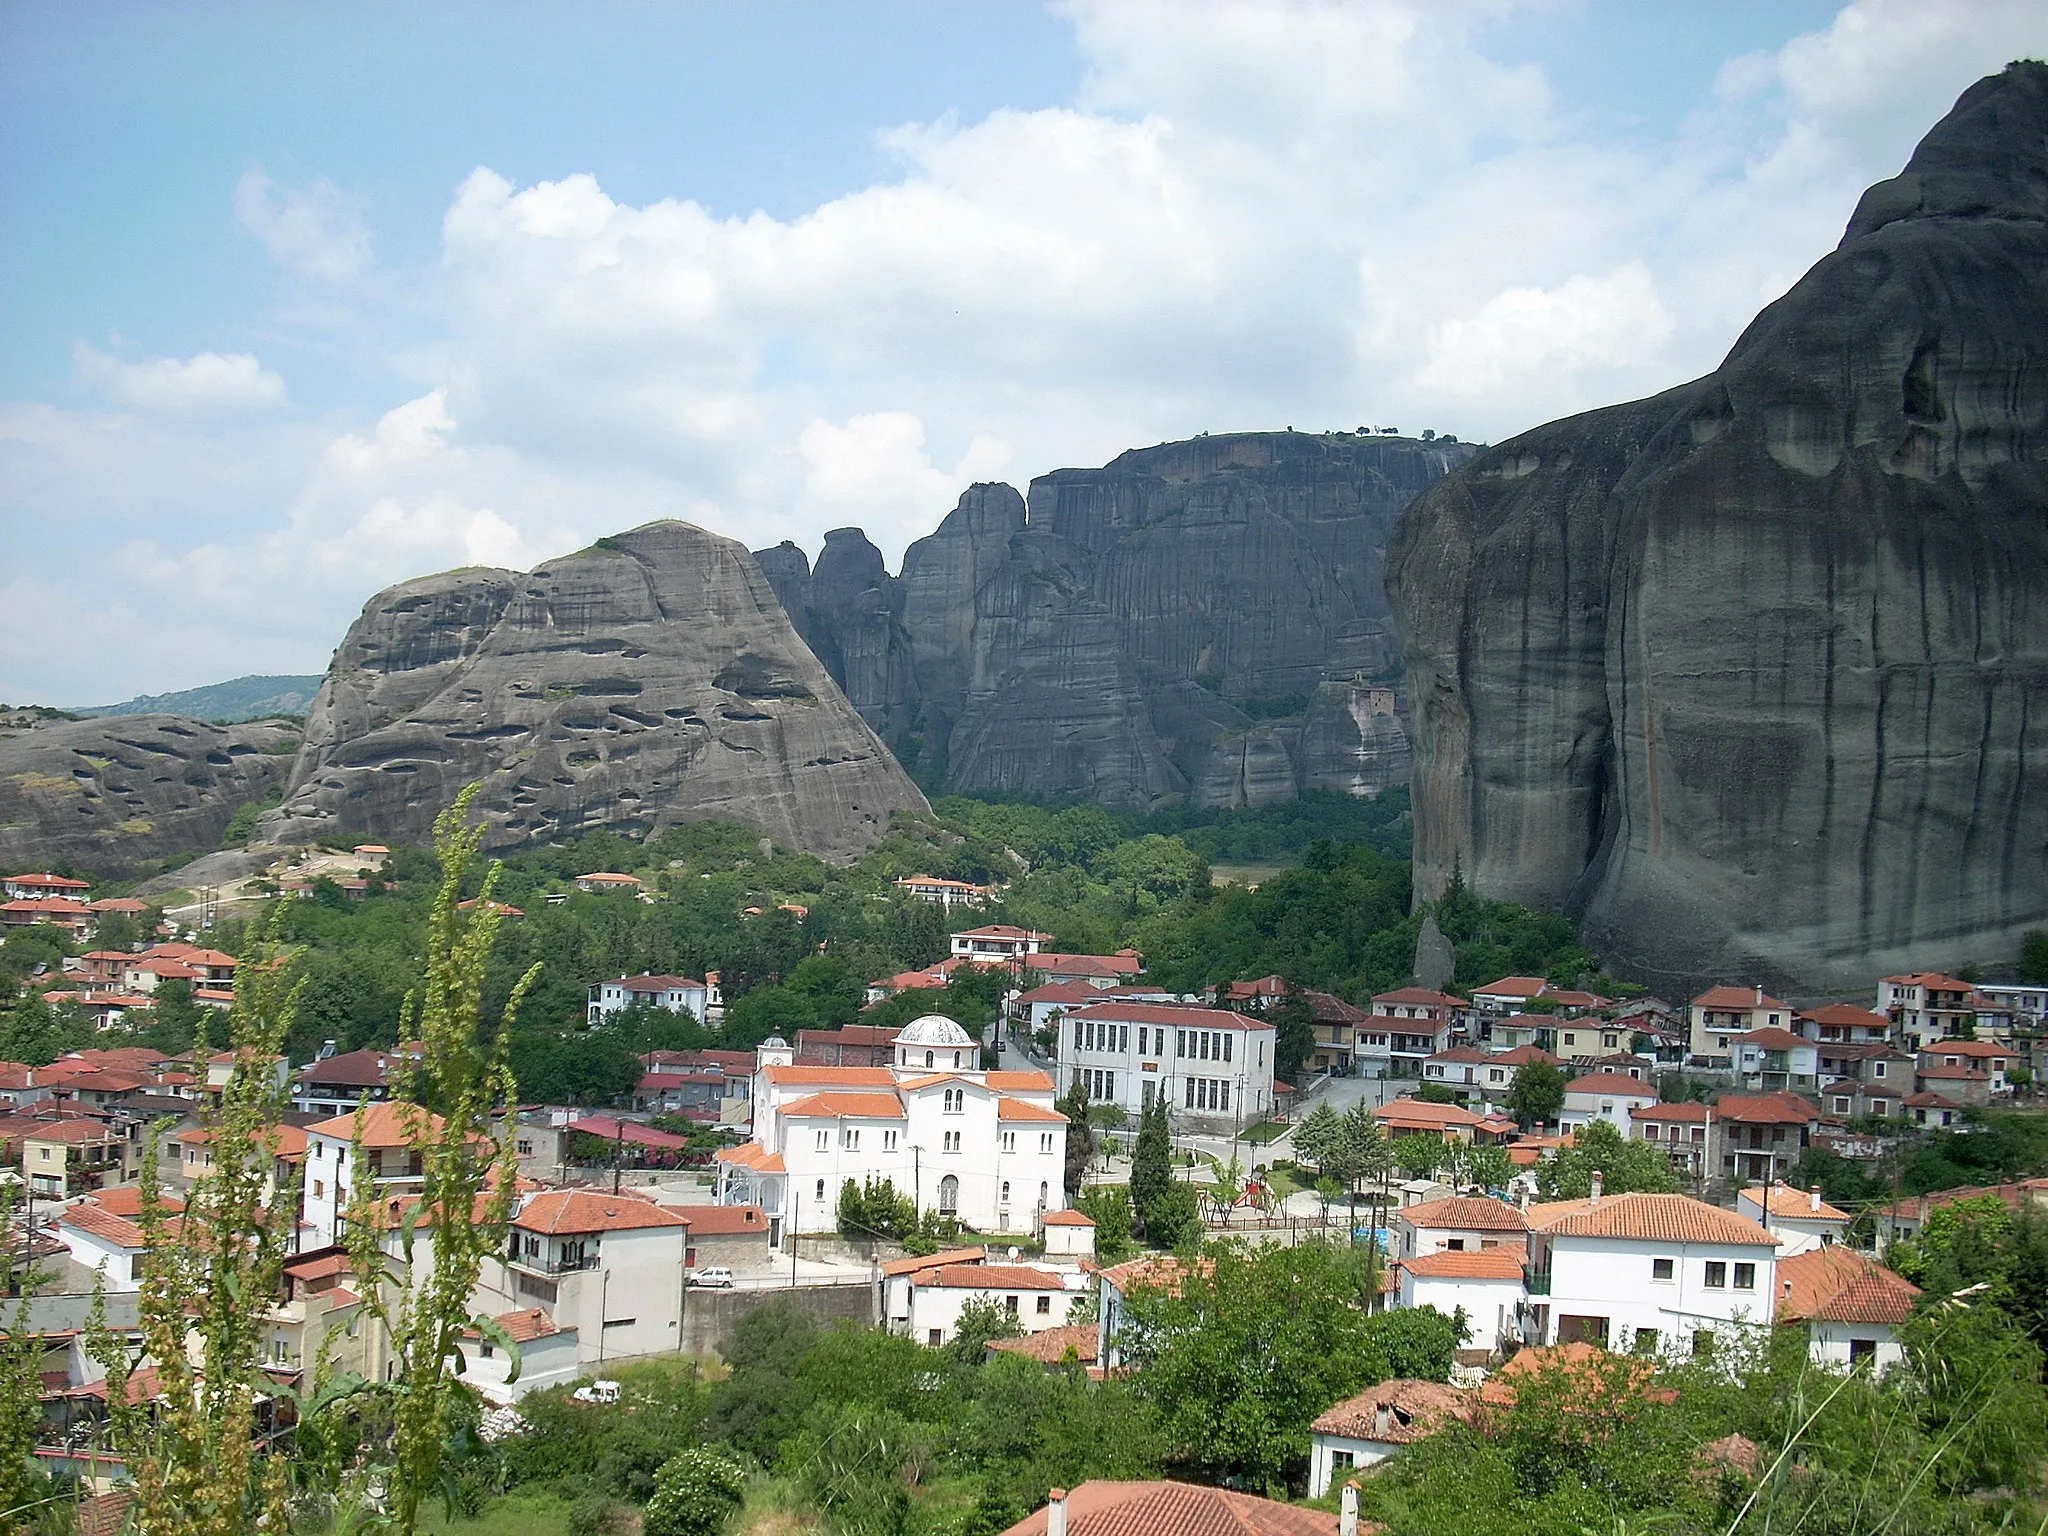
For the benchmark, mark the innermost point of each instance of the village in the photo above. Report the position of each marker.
(630, 1240)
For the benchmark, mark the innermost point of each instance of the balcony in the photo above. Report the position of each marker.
(1536, 1281)
(569, 1264)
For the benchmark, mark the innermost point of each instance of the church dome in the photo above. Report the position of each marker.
(934, 1029)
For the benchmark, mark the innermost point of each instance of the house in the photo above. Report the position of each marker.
(677, 994)
(732, 1237)
(605, 883)
(941, 892)
(610, 1266)
(1334, 1024)
(1466, 1070)
(319, 1311)
(548, 1356)
(1073, 1344)
(1926, 1007)
(735, 1067)
(697, 1094)
(391, 1135)
(1509, 995)
(1586, 1039)
(1721, 1014)
(899, 1274)
(1036, 1297)
(1069, 1235)
(1608, 1096)
(1365, 1430)
(1866, 1062)
(1103, 1508)
(1645, 1273)
(1459, 1224)
(1767, 1060)
(1212, 1065)
(1957, 1085)
(1851, 1305)
(1905, 1218)
(1847, 1098)
(103, 1232)
(1843, 1024)
(1117, 970)
(1415, 1117)
(1799, 1218)
(334, 1085)
(77, 1154)
(984, 1147)
(1933, 1111)
(931, 978)
(997, 944)
(1489, 1284)
(54, 910)
(1040, 1007)
(1148, 1272)
(19, 1087)
(2015, 1006)
(36, 887)
(1757, 1137)
(1987, 1058)
(1407, 1026)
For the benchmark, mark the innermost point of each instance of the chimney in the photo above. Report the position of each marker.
(1598, 1181)
(1056, 1513)
(1759, 995)
(1813, 1197)
(1347, 1511)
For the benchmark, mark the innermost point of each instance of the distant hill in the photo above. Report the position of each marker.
(241, 698)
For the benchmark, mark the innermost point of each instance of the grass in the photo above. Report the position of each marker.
(518, 1513)
(1265, 1131)
(1248, 875)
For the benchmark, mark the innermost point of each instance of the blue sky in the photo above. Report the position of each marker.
(300, 300)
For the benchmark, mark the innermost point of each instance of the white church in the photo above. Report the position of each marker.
(986, 1148)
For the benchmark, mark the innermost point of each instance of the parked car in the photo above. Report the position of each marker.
(597, 1392)
(718, 1276)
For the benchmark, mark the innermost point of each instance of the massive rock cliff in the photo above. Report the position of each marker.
(649, 680)
(119, 794)
(1753, 675)
(1203, 619)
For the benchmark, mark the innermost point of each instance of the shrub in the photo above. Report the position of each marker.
(695, 1493)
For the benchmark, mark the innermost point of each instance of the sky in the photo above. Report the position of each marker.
(298, 301)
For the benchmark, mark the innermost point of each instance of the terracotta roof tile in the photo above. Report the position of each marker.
(1100, 1508)
(1611, 1082)
(1465, 1213)
(719, 1220)
(1024, 1109)
(990, 1277)
(1834, 1285)
(1396, 1412)
(832, 1077)
(1648, 1218)
(1472, 1264)
(921, 1261)
(847, 1106)
(575, 1210)
(1052, 1345)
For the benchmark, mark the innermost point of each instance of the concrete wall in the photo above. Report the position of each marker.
(710, 1316)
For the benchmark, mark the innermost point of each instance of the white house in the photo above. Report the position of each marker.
(678, 994)
(942, 892)
(1799, 1219)
(1461, 1224)
(1152, 1272)
(105, 1240)
(1488, 1283)
(1926, 1007)
(1069, 1235)
(1364, 1430)
(1406, 1027)
(1036, 1297)
(1609, 1096)
(1681, 1131)
(1852, 1306)
(391, 1133)
(1767, 1060)
(986, 1148)
(997, 943)
(1212, 1065)
(1647, 1273)
(547, 1356)
(608, 1266)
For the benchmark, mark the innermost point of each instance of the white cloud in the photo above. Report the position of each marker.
(1251, 215)
(317, 234)
(208, 385)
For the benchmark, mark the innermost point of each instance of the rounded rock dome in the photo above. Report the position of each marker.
(934, 1029)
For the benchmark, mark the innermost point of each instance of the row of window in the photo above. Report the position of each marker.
(1193, 1044)
(1101, 1084)
(1716, 1277)
(849, 1140)
(1208, 1093)
(949, 1194)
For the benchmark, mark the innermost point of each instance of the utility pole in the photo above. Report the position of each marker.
(796, 1206)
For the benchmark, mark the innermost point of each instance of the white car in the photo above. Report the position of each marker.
(597, 1392)
(719, 1277)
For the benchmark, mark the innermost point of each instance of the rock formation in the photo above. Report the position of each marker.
(119, 794)
(1204, 619)
(1752, 675)
(648, 680)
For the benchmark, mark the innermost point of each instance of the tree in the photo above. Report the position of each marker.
(1294, 1037)
(982, 1321)
(1109, 1207)
(695, 1493)
(1315, 1138)
(1080, 1146)
(1242, 1356)
(1174, 1218)
(465, 1150)
(192, 1446)
(1151, 1163)
(1420, 1155)
(1624, 1166)
(1537, 1093)
(873, 1208)
(1487, 1165)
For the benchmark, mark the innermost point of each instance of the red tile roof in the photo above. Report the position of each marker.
(1024, 1109)
(916, 1262)
(576, 1210)
(1834, 1285)
(1611, 1082)
(1512, 986)
(1406, 1111)
(1068, 1219)
(1845, 1015)
(721, 1220)
(1773, 1040)
(1736, 999)
(382, 1126)
(1682, 1114)
(1465, 1213)
(1418, 997)
(751, 1154)
(848, 1106)
(1052, 1345)
(831, 1077)
(525, 1326)
(1765, 1109)
(1020, 1082)
(990, 1277)
(1472, 1264)
(1099, 1508)
(1648, 1218)
(1396, 1412)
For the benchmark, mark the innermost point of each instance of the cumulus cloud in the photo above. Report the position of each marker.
(316, 233)
(210, 384)
(1251, 214)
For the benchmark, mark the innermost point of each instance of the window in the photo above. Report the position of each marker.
(1010, 1305)
(956, 1100)
(1660, 1269)
(821, 1189)
(1646, 1341)
(824, 1140)
(1042, 1191)
(1191, 1093)
(849, 1137)
(1226, 1047)
(930, 1060)
(1717, 1275)
(935, 1337)
(1223, 1095)
(1180, 1042)
(1862, 1350)
(1877, 1069)
(1745, 1277)
(1456, 1245)
(949, 1194)
(952, 1141)
(1045, 1141)
(1841, 1105)
(1006, 1192)
(319, 1189)
(1652, 1133)
(888, 1141)
(1340, 1460)
(1009, 1141)
(1045, 1306)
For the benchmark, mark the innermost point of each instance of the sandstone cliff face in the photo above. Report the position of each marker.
(118, 794)
(1203, 619)
(649, 680)
(1751, 675)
